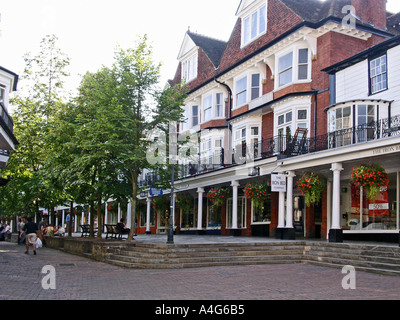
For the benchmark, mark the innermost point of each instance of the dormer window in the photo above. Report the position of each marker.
(189, 68)
(254, 25)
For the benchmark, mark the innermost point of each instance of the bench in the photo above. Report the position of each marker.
(113, 232)
(86, 230)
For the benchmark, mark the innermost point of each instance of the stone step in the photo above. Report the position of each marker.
(133, 253)
(355, 257)
(355, 263)
(173, 264)
(168, 260)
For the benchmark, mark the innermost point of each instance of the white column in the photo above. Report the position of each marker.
(129, 215)
(289, 200)
(235, 186)
(119, 212)
(281, 213)
(336, 169)
(329, 206)
(200, 192)
(148, 215)
(105, 216)
(83, 217)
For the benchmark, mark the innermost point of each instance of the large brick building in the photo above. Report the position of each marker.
(259, 104)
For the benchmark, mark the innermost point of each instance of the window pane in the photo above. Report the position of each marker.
(241, 84)
(281, 120)
(285, 77)
(286, 62)
(195, 115)
(303, 72)
(246, 31)
(288, 117)
(255, 86)
(254, 21)
(302, 114)
(347, 112)
(263, 19)
(303, 56)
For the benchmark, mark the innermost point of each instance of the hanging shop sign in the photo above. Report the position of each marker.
(278, 183)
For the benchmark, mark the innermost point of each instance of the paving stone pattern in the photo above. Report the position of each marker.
(79, 278)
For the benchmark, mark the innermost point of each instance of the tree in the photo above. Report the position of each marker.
(142, 106)
(37, 101)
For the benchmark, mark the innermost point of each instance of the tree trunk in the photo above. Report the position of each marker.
(99, 217)
(91, 222)
(134, 200)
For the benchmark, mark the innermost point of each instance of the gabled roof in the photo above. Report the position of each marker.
(213, 48)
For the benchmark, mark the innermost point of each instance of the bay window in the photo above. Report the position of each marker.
(293, 66)
(248, 88)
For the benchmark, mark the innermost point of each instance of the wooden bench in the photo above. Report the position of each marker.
(113, 232)
(86, 230)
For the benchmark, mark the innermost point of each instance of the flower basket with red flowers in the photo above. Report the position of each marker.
(184, 202)
(312, 186)
(258, 193)
(218, 197)
(371, 178)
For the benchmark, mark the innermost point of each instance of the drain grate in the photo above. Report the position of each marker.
(67, 265)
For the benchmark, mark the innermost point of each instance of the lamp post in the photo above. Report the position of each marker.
(173, 140)
(172, 209)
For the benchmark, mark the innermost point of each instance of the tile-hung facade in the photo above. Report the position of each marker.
(262, 104)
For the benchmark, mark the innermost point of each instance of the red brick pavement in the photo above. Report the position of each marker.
(79, 278)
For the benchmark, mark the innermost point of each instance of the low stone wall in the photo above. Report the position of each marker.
(91, 248)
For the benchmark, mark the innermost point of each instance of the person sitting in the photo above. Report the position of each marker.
(5, 231)
(122, 227)
(49, 232)
(60, 232)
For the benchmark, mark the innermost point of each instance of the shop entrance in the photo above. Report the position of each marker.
(298, 216)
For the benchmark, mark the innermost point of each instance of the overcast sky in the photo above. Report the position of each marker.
(89, 30)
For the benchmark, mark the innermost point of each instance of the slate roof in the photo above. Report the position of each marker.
(213, 48)
(316, 11)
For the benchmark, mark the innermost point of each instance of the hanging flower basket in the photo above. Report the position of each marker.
(160, 204)
(218, 197)
(312, 186)
(257, 193)
(184, 202)
(371, 178)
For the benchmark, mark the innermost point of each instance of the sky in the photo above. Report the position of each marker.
(90, 30)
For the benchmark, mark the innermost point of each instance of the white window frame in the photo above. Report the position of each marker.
(295, 66)
(190, 68)
(248, 91)
(241, 211)
(378, 73)
(208, 108)
(252, 28)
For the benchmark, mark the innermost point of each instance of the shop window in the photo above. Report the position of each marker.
(262, 215)
(241, 213)
(361, 214)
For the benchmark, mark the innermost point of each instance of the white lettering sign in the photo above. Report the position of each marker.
(278, 183)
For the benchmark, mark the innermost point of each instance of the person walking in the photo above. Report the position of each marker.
(30, 230)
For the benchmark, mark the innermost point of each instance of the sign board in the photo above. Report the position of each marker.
(278, 183)
(155, 192)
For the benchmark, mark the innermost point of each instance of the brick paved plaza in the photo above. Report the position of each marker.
(79, 278)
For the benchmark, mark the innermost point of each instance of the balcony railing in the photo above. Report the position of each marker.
(5, 118)
(287, 146)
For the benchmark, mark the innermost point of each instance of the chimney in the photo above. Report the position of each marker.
(372, 11)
